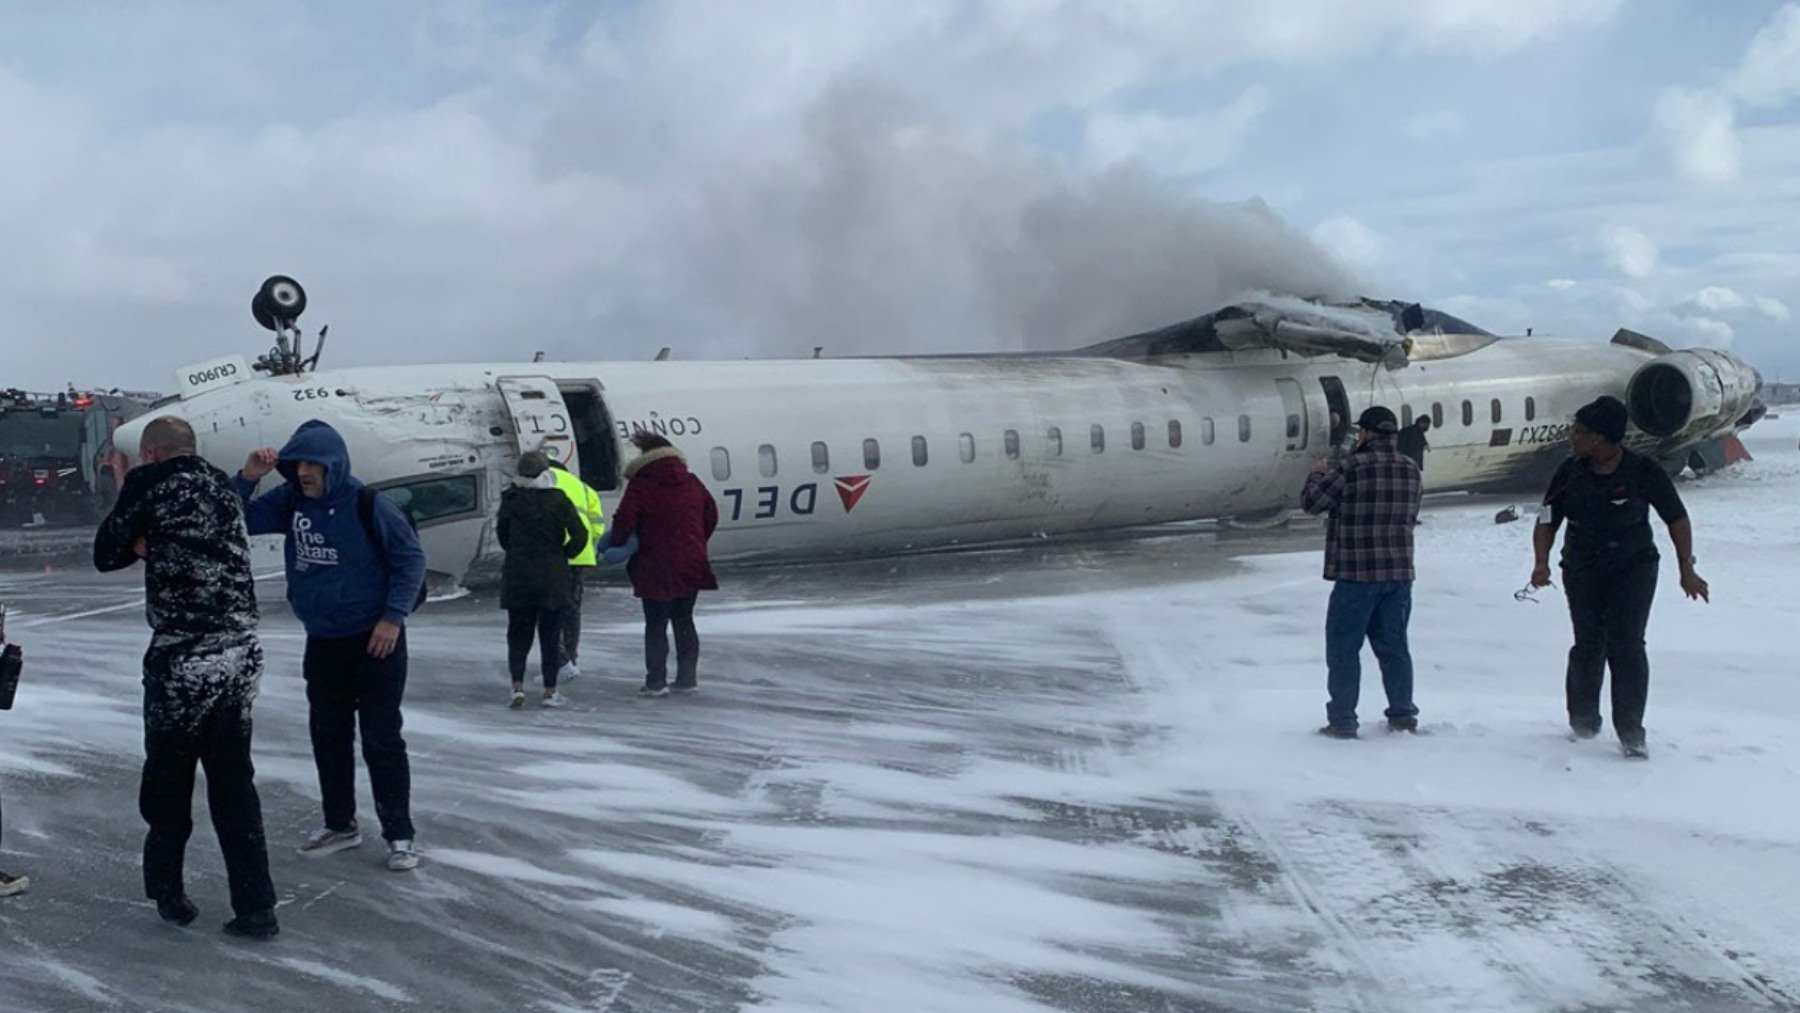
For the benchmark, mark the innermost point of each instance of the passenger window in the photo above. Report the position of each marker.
(1012, 444)
(765, 460)
(1243, 429)
(1293, 427)
(1530, 409)
(1206, 431)
(966, 446)
(1097, 439)
(1437, 414)
(919, 454)
(721, 460)
(1468, 413)
(821, 458)
(1494, 410)
(1405, 416)
(1137, 436)
(871, 454)
(1054, 439)
(436, 499)
(1174, 434)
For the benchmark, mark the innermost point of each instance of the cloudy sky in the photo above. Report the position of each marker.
(482, 180)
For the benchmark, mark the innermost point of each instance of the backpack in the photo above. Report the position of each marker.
(365, 512)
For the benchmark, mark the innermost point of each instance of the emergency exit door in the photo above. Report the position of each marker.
(540, 419)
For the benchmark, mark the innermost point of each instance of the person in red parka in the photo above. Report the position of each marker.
(672, 515)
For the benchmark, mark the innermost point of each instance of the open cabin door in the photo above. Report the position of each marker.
(541, 421)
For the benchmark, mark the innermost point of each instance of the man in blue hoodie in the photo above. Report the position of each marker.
(354, 569)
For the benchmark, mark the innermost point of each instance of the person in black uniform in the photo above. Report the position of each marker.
(1609, 561)
(1413, 442)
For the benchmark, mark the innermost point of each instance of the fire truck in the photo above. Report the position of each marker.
(57, 462)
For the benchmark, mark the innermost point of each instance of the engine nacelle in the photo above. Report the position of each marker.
(1692, 395)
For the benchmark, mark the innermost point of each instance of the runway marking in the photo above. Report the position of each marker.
(137, 602)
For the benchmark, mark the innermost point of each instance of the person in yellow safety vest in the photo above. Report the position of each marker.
(593, 514)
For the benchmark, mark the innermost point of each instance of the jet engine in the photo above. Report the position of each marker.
(1693, 394)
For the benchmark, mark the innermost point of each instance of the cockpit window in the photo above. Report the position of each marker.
(436, 499)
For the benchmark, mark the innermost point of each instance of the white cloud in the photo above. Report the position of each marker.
(1774, 309)
(1175, 145)
(1769, 74)
(1629, 251)
(1718, 299)
(1698, 127)
(1350, 242)
(1698, 130)
(1560, 284)
(1707, 331)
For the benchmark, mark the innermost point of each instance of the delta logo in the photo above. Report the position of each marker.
(850, 489)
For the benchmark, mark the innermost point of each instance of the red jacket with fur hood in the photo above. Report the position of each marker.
(672, 515)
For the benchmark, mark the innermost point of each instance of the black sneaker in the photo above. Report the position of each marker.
(1584, 731)
(177, 909)
(1634, 747)
(256, 925)
(1403, 724)
(653, 691)
(1334, 732)
(684, 688)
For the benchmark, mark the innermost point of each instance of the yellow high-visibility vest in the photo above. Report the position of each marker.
(587, 504)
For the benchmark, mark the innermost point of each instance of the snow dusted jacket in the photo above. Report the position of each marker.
(199, 594)
(339, 582)
(672, 515)
(197, 573)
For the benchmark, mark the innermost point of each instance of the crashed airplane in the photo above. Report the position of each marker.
(1217, 417)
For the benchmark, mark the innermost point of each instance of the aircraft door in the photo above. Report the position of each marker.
(541, 421)
(1338, 403)
(1293, 409)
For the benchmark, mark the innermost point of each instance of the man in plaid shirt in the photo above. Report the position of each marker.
(1373, 496)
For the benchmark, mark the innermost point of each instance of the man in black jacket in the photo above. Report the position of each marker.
(182, 517)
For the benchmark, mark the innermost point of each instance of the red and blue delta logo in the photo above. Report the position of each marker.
(850, 489)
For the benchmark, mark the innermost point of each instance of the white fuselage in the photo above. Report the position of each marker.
(832, 457)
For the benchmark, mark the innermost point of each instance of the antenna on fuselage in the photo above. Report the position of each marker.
(818, 350)
(662, 355)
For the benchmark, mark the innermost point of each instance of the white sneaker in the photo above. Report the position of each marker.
(568, 672)
(325, 840)
(12, 886)
(653, 691)
(518, 700)
(554, 699)
(401, 856)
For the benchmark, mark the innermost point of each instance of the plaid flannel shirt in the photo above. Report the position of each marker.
(1373, 496)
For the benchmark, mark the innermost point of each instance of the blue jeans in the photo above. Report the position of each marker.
(1376, 610)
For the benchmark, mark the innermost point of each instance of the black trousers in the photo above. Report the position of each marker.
(346, 687)
(657, 617)
(220, 742)
(1609, 607)
(571, 617)
(520, 625)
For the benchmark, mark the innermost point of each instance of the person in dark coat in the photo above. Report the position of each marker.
(1412, 441)
(1605, 493)
(672, 515)
(181, 516)
(10, 885)
(541, 531)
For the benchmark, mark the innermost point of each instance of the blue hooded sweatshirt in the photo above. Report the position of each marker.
(339, 582)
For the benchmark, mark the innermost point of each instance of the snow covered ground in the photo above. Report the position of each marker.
(1075, 778)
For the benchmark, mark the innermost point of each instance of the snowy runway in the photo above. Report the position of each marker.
(1055, 779)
